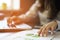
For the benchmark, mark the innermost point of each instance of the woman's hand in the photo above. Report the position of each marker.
(43, 31)
(13, 21)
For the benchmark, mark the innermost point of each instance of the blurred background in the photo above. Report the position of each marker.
(10, 8)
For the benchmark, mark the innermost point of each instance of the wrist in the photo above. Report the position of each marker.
(56, 23)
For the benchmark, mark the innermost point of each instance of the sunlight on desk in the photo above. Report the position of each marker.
(23, 35)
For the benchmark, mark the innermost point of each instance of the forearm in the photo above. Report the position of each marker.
(28, 16)
(32, 12)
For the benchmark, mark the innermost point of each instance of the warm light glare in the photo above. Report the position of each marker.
(15, 5)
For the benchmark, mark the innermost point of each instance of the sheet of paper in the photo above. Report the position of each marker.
(27, 35)
(3, 25)
(24, 26)
(3, 35)
(57, 36)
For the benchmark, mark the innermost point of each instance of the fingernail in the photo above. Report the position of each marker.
(41, 35)
(51, 33)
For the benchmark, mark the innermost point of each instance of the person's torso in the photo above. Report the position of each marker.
(43, 17)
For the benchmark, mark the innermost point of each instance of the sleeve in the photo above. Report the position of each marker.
(58, 21)
(58, 27)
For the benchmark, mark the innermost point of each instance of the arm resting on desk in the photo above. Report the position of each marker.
(28, 16)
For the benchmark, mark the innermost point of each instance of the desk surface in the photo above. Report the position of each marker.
(21, 36)
(57, 36)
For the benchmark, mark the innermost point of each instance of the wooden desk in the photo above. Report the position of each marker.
(11, 30)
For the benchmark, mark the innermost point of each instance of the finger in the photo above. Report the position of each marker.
(52, 30)
(39, 32)
(43, 31)
(46, 32)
